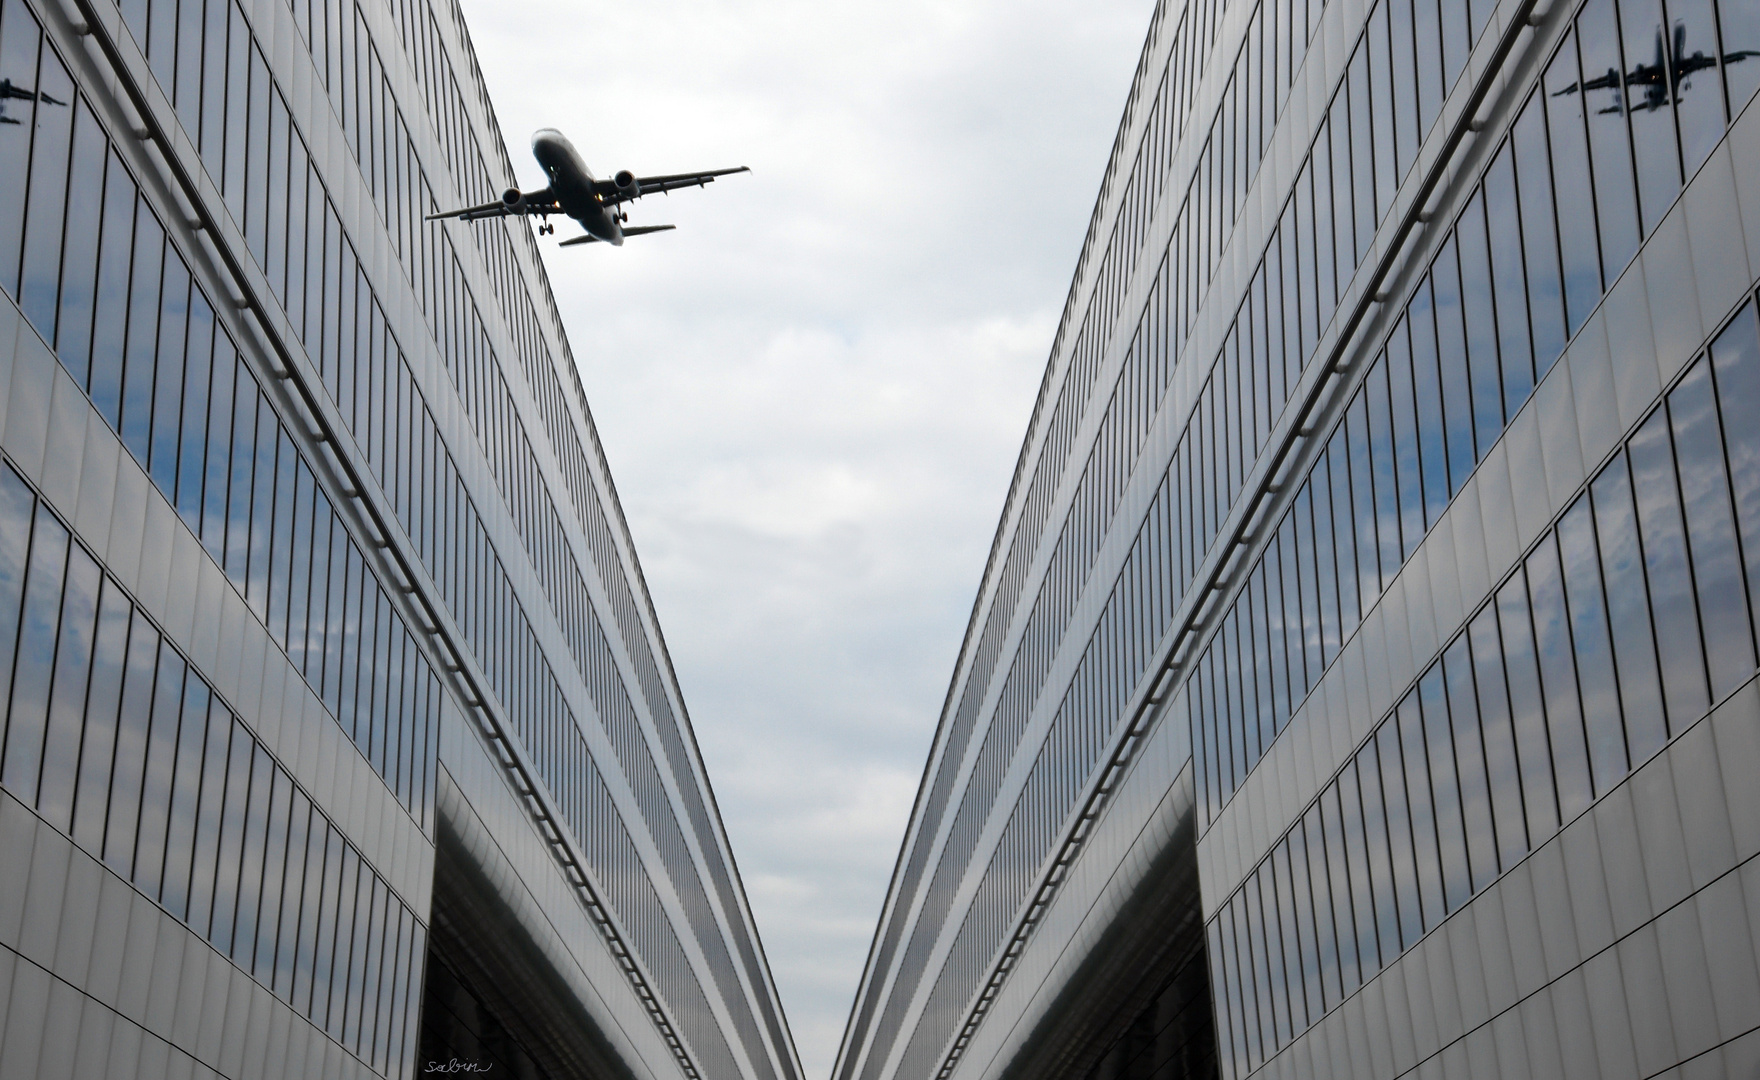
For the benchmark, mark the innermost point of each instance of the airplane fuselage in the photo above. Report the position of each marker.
(572, 184)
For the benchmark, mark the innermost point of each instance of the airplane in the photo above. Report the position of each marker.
(1658, 86)
(9, 92)
(574, 191)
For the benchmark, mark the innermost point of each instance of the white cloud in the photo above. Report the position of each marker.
(813, 393)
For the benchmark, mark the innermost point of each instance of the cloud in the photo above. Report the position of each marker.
(813, 393)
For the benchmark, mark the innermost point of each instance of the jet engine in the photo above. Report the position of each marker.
(512, 197)
(626, 184)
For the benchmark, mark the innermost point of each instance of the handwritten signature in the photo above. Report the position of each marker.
(457, 1066)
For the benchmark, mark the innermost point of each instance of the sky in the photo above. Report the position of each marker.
(812, 395)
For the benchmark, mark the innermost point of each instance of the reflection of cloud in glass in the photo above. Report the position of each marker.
(1659, 83)
(10, 92)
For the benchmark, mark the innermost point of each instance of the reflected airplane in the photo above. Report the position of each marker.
(9, 92)
(1660, 82)
(573, 191)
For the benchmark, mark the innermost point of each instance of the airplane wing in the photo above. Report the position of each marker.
(632, 230)
(472, 213)
(611, 194)
(537, 202)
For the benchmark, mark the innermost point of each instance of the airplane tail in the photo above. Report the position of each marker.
(636, 230)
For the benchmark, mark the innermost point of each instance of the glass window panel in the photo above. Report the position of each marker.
(1264, 968)
(1338, 880)
(236, 124)
(1628, 608)
(156, 781)
(244, 454)
(1302, 889)
(141, 351)
(1344, 537)
(20, 37)
(1539, 232)
(197, 380)
(45, 211)
(1596, 677)
(1671, 584)
(281, 536)
(1382, 449)
(115, 256)
(255, 220)
(186, 791)
(79, 268)
(250, 878)
(188, 90)
(1303, 551)
(1495, 727)
(135, 717)
(1457, 384)
(67, 699)
(394, 959)
(1408, 476)
(1558, 678)
(1480, 318)
(317, 886)
(1427, 393)
(17, 503)
(1290, 933)
(1654, 138)
(1407, 917)
(35, 663)
(169, 368)
(275, 251)
(1739, 23)
(1404, 85)
(1427, 31)
(1362, 154)
(346, 993)
(1325, 927)
(1504, 229)
(262, 509)
(1379, 897)
(294, 890)
(1426, 853)
(1527, 709)
(212, 133)
(274, 873)
(1610, 144)
(232, 828)
(1457, 38)
(1231, 976)
(160, 43)
(204, 863)
(1694, 77)
(1469, 757)
(1711, 532)
(1304, 264)
(109, 657)
(1387, 173)
(1363, 496)
(1451, 836)
(1277, 631)
(1326, 562)
(1332, 217)
(341, 876)
(1735, 360)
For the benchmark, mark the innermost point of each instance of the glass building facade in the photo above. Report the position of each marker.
(1363, 679)
(339, 737)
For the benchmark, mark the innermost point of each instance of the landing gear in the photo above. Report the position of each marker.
(546, 228)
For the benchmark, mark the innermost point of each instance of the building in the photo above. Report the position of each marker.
(1363, 679)
(340, 737)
